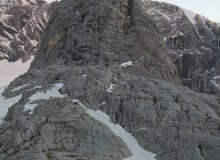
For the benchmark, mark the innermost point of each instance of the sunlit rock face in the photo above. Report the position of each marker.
(106, 57)
(193, 42)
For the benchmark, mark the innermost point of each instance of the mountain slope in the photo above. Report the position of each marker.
(21, 25)
(192, 41)
(98, 58)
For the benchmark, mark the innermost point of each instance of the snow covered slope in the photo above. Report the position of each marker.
(5, 104)
(138, 153)
(10, 70)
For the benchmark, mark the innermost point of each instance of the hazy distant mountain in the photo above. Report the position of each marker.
(21, 25)
(193, 42)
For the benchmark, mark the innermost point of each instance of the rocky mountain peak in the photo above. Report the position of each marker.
(104, 33)
(103, 87)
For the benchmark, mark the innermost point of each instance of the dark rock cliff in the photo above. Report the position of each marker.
(109, 56)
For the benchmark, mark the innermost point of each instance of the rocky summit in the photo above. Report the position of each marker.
(102, 87)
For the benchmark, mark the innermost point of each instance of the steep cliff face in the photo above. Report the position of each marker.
(21, 25)
(193, 42)
(106, 33)
(100, 57)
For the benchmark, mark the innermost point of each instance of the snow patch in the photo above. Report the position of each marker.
(153, 11)
(3, 55)
(206, 49)
(126, 64)
(190, 15)
(215, 84)
(6, 44)
(54, 92)
(37, 87)
(77, 12)
(110, 53)
(5, 104)
(141, 129)
(14, 69)
(34, 43)
(19, 88)
(217, 77)
(10, 36)
(49, 1)
(112, 86)
(138, 153)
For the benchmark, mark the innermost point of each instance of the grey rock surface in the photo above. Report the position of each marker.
(58, 130)
(83, 47)
(104, 33)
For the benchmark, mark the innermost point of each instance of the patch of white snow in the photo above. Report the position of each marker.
(19, 88)
(112, 86)
(5, 104)
(34, 43)
(217, 77)
(190, 15)
(6, 44)
(77, 12)
(141, 129)
(138, 153)
(215, 84)
(126, 64)
(154, 11)
(54, 92)
(10, 70)
(37, 87)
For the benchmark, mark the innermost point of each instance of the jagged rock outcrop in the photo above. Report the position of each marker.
(192, 41)
(109, 56)
(21, 25)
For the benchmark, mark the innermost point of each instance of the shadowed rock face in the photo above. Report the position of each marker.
(90, 46)
(21, 25)
(192, 42)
